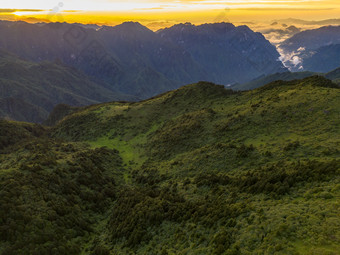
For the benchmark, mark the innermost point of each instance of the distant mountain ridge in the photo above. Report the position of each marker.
(313, 39)
(134, 60)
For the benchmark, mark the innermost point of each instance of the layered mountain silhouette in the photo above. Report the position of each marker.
(134, 60)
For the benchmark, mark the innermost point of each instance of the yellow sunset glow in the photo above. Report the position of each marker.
(157, 14)
(165, 5)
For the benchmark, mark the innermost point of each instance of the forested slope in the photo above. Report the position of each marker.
(199, 170)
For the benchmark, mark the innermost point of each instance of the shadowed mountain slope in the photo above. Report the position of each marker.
(315, 50)
(323, 59)
(29, 91)
(313, 39)
(229, 54)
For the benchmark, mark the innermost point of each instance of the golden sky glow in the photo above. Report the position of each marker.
(166, 5)
(157, 14)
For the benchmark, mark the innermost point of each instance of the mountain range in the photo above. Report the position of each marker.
(198, 170)
(136, 61)
(43, 65)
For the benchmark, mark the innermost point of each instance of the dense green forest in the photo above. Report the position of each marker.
(199, 170)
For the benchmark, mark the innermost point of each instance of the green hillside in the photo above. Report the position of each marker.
(199, 170)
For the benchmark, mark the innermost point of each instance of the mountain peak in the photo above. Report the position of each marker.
(179, 27)
(129, 27)
(132, 25)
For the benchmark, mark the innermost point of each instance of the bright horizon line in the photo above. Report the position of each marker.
(166, 12)
(160, 10)
(165, 5)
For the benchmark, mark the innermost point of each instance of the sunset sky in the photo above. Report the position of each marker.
(159, 13)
